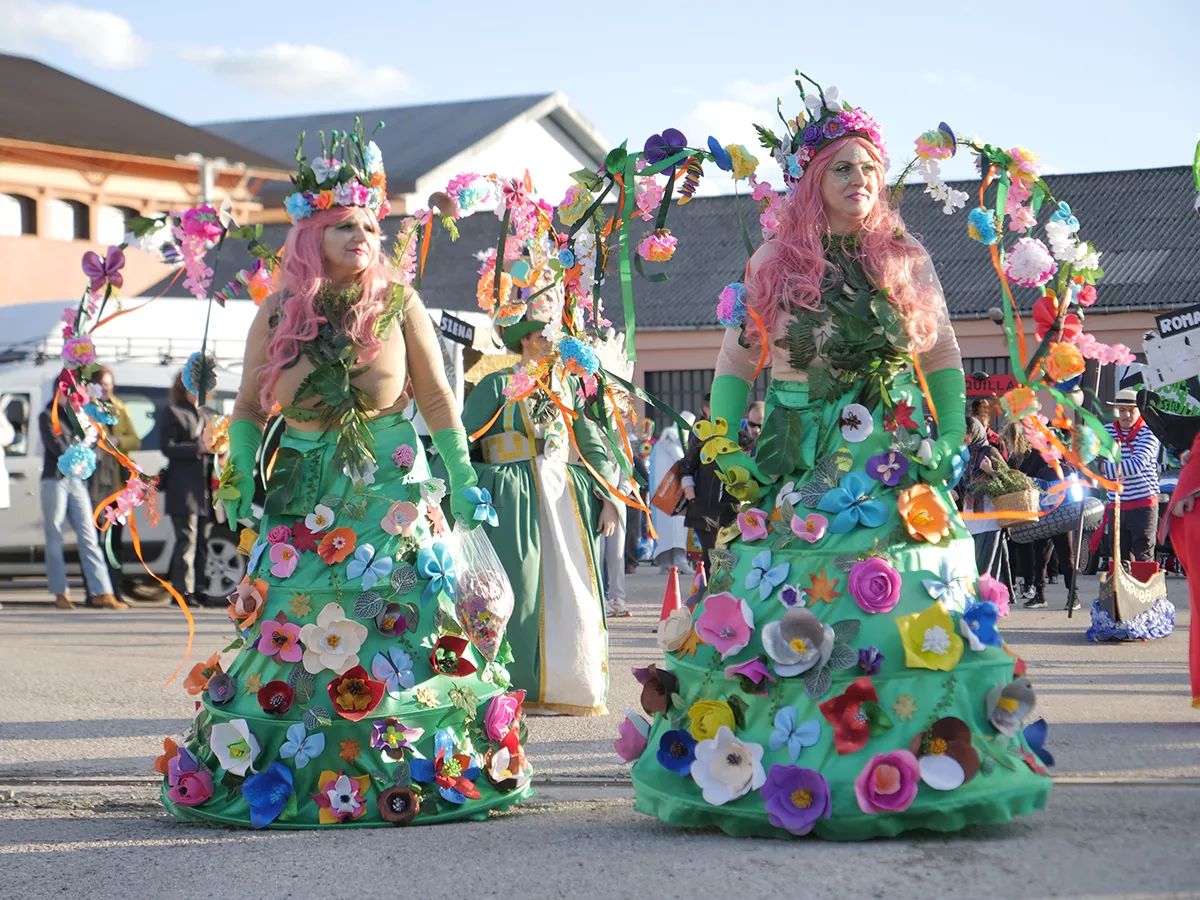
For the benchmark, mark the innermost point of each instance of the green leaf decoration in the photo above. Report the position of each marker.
(878, 720)
(767, 138)
(781, 541)
(317, 717)
(368, 605)
(404, 579)
(614, 163)
(412, 617)
(844, 562)
(237, 644)
(820, 383)
(779, 450)
(287, 479)
(355, 509)
(722, 559)
(589, 179)
(465, 699)
(721, 581)
(739, 707)
(889, 319)
(987, 765)
(302, 683)
(997, 750)
(678, 702)
(846, 630)
(799, 341)
(402, 774)
(843, 657)
(817, 683)
(233, 785)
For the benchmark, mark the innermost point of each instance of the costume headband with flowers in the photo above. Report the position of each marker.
(349, 172)
(824, 119)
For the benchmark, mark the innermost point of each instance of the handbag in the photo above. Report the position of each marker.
(669, 498)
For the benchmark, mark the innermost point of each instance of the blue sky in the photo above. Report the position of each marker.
(1091, 86)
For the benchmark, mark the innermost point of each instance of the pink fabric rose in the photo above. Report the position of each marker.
(191, 789)
(502, 713)
(996, 592)
(634, 735)
(401, 518)
(888, 783)
(752, 524)
(726, 623)
(280, 534)
(875, 584)
(201, 222)
(403, 457)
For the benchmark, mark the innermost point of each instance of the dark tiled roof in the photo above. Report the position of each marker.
(1142, 221)
(414, 141)
(43, 105)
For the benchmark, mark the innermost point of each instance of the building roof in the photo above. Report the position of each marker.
(43, 105)
(1141, 220)
(415, 139)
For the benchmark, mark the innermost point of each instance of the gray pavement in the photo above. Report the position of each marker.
(83, 710)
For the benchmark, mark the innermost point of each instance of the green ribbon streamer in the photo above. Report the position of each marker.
(644, 396)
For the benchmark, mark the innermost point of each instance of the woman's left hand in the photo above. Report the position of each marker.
(610, 518)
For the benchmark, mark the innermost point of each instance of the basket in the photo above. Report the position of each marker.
(1064, 518)
(1021, 506)
(1126, 595)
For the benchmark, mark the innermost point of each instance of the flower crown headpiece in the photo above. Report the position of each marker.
(824, 118)
(349, 172)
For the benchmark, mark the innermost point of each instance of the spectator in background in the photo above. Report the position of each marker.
(635, 518)
(981, 409)
(189, 491)
(66, 500)
(982, 463)
(110, 476)
(708, 509)
(671, 549)
(752, 427)
(1138, 472)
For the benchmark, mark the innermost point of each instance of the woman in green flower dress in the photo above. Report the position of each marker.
(553, 514)
(352, 698)
(844, 675)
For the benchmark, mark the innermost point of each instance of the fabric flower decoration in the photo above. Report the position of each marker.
(810, 528)
(677, 752)
(765, 576)
(796, 798)
(1009, 705)
(888, 783)
(750, 675)
(398, 805)
(708, 716)
(726, 768)
(726, 623)
(404, 456)
(502, 714)
(924, 516)
(197, 680)
(744, 164)
(354, 695)
(247, 601)
(392, 739)
(787, 494)
(674, 630)
(302, 538)
(870, 660)
(822, 588)
(752, 524)
(280, 534)
(189, 783)
(235, 746)
(337, 545)
(333, 642)
(1035, 736)
(1029, 263)
(851, 501)
(367, 566)
(484, 510)
(221, 689)
(888, 468)
(163, 762)
(901, 416)
(401, 518)
(364, 475)
(319, 519)
(996, 592)
(448, 657)
(394, 668)
(106, 270)
(981, 226)
(930, 640)
(720, 155)
(435, 563)
(341, 797)
(793, 735)
(978, 626)
(632, 736)
(790, 595)
(452, 773)
(506, 766)
(391, 621)
(856, 423)
(856, 716)
(433, 491)
(658, 686)
(950, 588)
(945, 754)
(302, 746)
(875, 585)
(798, 642)
(268, 794)
(285, 559)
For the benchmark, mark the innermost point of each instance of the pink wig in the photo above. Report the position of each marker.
(302, 273)
(797, 270)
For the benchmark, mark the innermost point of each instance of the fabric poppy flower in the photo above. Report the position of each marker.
(752, 524)
(268, 793)
(197, 679)
(392, 739)
(930, 640)
(726, 623)
(798, 642)
(170, 751)
(354, 694)
(452, 773)
(632, 737)
(285, 558)
(1008, 705)
(449, 656)
(658, 685)
(337, 545)
(398, 805)
(506, 766)
(855, 715)
(247, 601)
(391, 621)
(341, 798)
(796, 798)
(945, 754)
(923, 513)
(276, 697)
(189, 783)
(677, 752)
(333, 642)
(888, 782)
(727, 768)
(280, 639)
(222, 688)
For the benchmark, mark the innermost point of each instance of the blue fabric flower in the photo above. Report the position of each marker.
(101, 415)
(851, 501)
(794, 736)
(267, 793)
(720, 155)
(394, 668)
(373, 157)
(677, 751)
(981, 618)
(436, 563)
(298, 206)
(1063, 214)
(439, 771)
(302, 746)
(256, 551)
(484, 511)
(78, 462)
(766, 577)
(981, 225)
(1035, 735)
(368, 567)
(951, 588)
(566, 258)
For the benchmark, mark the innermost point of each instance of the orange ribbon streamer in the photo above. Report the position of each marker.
(130, 309)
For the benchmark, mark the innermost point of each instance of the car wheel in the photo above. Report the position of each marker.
(1089, 563)
(225, 567)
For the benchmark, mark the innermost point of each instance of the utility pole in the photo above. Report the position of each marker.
(208, 171)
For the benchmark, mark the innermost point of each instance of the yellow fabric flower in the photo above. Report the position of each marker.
(744, 164)
(707, 718)
(427, 697)
(1063, 362)
(246, 540)
(930, 639)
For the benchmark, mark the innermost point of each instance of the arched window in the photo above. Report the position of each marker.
(110, 223)
(68, 220)
(18, 215)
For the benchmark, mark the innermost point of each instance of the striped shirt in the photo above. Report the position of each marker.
(1138, 469)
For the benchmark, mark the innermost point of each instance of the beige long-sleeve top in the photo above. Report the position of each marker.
(734, 359)
(410, 352)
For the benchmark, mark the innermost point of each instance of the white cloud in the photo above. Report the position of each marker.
(102, 38)
(292, 70)
(731, 120)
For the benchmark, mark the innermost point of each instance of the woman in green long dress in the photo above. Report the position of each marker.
(352, 699)
(551, 514)
(844, 675)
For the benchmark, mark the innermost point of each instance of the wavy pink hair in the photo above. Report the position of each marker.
(797, 270)
(301, 275)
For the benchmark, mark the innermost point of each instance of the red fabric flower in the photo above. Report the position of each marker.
(276, 697)
(354, 694)
(450, 771)
(902, 417)
(303, 539)
(851, 726)
(1045, 313)
(449, 657)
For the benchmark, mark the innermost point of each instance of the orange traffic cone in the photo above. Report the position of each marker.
(671, 600)
(700, 582)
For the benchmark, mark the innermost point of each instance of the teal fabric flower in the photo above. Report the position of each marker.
(766, 577)
(367, 566)
(484, 510)
(435, 563)
(852, 502)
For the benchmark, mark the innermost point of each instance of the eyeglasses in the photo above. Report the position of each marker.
(750, 424)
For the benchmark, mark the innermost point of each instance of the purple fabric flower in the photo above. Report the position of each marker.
(870, 659)
(403, 456)
(875, 584)
(661, 146)
(834, 128)
(888, 467)
(795, 798)
(813, 135)
(790, 596)
(750, 675)
(221, 688)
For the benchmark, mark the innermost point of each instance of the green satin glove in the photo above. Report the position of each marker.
(236, 488)
(948, 390)
(730, 395)
(451, 444)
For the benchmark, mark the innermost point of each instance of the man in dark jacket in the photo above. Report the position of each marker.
(708, 509)
(189, 490)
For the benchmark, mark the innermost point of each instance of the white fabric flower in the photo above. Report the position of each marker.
(319, 519)
(813, 102)
(499, 769)
(234, 746)
(673, 631)
(333, 643)
(857, 423)
(364, 475)
(789, 493)
(924, 452)
(343, 797)
(727, 768)
(955, 199)
(935, 641)
(798, 642)
(833, 99)
(433, 490)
